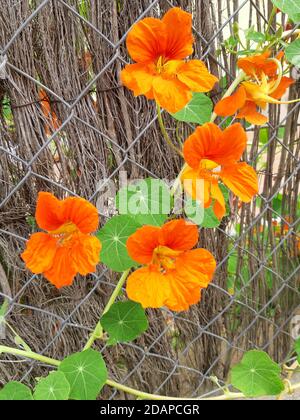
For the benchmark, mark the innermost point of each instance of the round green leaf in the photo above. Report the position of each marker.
(202, 217)
(290, 7)
(125, 321)
(113, 237)
(53, 388)
(15, 391)
(149, 202)
(293, 53)
(86, 373)
(198, 110)
(257, 375)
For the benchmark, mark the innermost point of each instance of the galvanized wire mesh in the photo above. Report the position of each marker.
(74, 51)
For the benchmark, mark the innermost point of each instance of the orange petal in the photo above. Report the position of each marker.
(149, 287)
(285, 83)
(197, 188)
(194, 271)
(48, 212)
(139, 78)
(242, 180)
(233, 145)
(251, 115)
(256, 64)
(62, 271)
(179, 44)
(196, 76)
(142, 243)
(220, 205)
(39, 253)
(86, 253)
(82, 213)
(147, 40)
(202, 144)
(229, 106)
(171, 94)
(179, 235)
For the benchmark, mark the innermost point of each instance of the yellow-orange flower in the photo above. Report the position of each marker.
(159, 48)
(173, 274)
(213, 155)
(264, 86)
(68, 247)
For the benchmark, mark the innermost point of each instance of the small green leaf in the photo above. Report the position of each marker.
(125, 321)
(290, 7)
(113, 237)
(297, 348)
(198, 110)
(15, 391)
(257, 375)
(252, 35)
(53, 388)
(293, 53)
(86, 373)
(202, 217)
(149, 202)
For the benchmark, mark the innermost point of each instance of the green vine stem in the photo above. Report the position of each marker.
(139, 394)
(98, 331)
(164, 131)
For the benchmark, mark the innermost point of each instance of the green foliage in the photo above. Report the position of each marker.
(257, 375)
(290, 7)
(252, 35)
(125, 321)
(202, 217)
(54, 387)
(148, 202)
(15, 391)
(293, 53)
(113, 237)
(198, 110)
(297, 349)
(86, 373)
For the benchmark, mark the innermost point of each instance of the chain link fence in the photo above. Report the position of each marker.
(67, 126)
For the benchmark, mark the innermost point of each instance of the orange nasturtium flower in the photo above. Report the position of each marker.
(159, 49)
(173, 274)
(67, 247)
(264, 86)
(213, 155)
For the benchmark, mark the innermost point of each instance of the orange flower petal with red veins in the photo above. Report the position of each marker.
(229, 106)
(86, 253)
(194, 271)
(197, 188)
(39, 253)
(285, 83)
(257, 64)
(179, 43)
(63, 270)
(242, 180)
(179, 235)
(139, 78)
(82, 213)
(171, 94)
(202, 144)
(233, 145)
(142, 243)
(196, 76)
(147, 40)
(48, 212)
(251, 115)
(149, 287)
(219, 205)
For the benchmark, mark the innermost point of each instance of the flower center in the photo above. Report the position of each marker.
(160, 64)
(165, 258)
(64, 233)
(209, 170)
